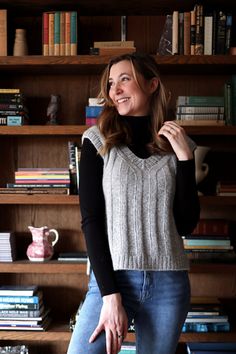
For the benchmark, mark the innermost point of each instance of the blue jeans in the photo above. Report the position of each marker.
(158, 301)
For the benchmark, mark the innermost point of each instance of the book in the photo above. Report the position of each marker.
(9, 90)
(187, 25)
(62, 33)
(200, 122)
(3, 32)
(19, 290)
(34, 299)
(45, 33)
(192, 31)
(200, 109)
(212, 227)
(93, 111)
(200, 101)
(175, 32)
(51, 33)
(15, 314)
(208, 34)
(73, 256)
(199, 35)
(73, 33)
(112, 50)
(106, 44)
(20, 306)
(57, 33)
(67, 33)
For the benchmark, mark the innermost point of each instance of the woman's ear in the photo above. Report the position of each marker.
(154, 84)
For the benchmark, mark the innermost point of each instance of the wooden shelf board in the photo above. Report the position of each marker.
(199, 337)
(55, 332)
(49, 267)
(60, 332)
(43, 130)
(74, 199)
(96, 63)
(40, 199)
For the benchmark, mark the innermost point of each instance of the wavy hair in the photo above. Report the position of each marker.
(109, 123)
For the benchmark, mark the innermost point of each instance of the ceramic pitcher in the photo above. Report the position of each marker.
(41, 249)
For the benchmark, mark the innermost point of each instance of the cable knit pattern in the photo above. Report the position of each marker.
(139, 197)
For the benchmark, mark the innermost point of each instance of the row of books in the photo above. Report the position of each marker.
(60, 33)
(197, 32)
(22, 308)
(13, 110)
(74, 159)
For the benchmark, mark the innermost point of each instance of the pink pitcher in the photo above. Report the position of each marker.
(41, 249)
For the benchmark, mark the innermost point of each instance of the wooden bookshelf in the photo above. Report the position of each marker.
(38, 145)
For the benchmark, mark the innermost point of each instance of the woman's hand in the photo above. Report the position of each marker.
(113, 320)
(177, 138)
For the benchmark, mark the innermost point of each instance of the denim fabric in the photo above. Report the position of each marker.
(158, 301)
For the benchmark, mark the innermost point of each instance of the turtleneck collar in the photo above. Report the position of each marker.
(139, 128)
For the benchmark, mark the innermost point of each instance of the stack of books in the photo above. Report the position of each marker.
(13, 111)
(7, 247)
(206, 315)
(60, 33)
(39, 181)
(210, 242)
(22, 308)
(93, 110)
(112, 48)
(211, 347)
(200, 110)
(128, 348)
(74, 159)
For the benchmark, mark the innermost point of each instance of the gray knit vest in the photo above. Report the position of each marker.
(139, 196)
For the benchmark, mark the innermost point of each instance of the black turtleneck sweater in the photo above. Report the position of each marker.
(92, 204)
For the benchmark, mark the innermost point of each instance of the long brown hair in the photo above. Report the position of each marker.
(112, 128)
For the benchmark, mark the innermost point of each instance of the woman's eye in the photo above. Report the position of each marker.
(125, 78)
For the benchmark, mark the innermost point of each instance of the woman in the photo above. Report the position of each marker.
(137, 196)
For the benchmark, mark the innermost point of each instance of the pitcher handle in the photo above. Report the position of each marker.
(56, 236)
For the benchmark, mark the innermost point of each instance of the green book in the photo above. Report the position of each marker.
(200, 101)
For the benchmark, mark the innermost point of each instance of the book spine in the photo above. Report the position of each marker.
(51, 34)
(57, 33)
(187, 23)
(192, 32)
(38, 185)
(67, 33)
(62, 33)
(200, 101)
(220, 36)
(17, 306)
(233, 100)
(181, 33)
(9, 90)
(208, 34)
(175, 32)
(73, 31)
(3, 32)
(19, 313)
(199, 31)
(11, 106)
(20, 299)
(45, 33)
(93, 111)
(228, 33)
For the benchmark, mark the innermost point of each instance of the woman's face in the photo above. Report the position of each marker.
(128, 98)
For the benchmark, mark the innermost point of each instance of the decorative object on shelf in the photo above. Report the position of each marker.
(41, 249)
(53, 108)
(20, 45)
(202, 168)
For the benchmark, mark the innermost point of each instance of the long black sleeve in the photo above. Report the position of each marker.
(92, 207)
(186, 201)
